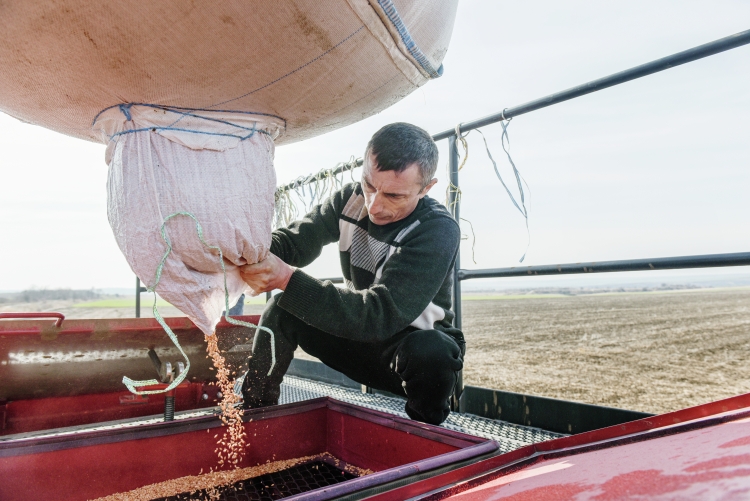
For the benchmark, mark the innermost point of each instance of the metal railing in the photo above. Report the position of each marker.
(659, 263)
(665, 63)
(704, 261)
(705, 50)
(634, 73)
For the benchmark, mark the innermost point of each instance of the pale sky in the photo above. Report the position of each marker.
(655, 167)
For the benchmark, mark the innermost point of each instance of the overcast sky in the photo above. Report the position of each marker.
(655, 167)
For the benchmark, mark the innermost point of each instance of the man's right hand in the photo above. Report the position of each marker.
(267, 275)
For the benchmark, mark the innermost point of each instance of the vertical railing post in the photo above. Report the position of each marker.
(138, 291)
(137, 297)
(454, 201)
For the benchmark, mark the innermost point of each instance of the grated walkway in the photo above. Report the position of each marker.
(509, 436)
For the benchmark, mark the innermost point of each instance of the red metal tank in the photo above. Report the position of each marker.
(81, 466)
(56, 373)
(697, 453)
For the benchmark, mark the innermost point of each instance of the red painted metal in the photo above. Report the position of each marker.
(652, 452)
(713, 463)
(85, 356)
(59, 316)
(60, 412)
(99, 463)
(3, 414)
(54, 376)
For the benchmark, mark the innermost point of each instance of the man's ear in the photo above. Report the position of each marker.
(428, 187)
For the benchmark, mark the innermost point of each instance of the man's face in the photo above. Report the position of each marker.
(389, 195)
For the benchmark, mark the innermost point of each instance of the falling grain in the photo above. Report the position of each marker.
(231, 448)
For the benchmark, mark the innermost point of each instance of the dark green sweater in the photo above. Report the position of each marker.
(398, 276)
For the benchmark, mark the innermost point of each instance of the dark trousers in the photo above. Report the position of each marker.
(420, 365)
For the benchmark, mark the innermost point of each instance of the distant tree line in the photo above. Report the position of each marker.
(34, 295)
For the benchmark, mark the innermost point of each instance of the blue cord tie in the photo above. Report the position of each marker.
(154, 129)
(191, 113)
(125, 108)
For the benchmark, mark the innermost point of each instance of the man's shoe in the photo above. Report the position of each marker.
(436, 416)
(249, 401)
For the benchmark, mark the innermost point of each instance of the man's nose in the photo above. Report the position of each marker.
(376, 205)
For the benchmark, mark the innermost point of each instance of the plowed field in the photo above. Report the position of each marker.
(652, 352)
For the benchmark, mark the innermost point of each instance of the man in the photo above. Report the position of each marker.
(391, 328)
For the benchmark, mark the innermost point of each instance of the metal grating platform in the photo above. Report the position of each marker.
(509, 436)
(278, 485)
(296, 389)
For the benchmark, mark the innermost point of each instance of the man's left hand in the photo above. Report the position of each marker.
(267, 275)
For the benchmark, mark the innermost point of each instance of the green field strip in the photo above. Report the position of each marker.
(261, 299)
(121, 303)
(147, 302)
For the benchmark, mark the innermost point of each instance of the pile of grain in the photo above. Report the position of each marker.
(208, 481)
(190, 485)
(231, 446)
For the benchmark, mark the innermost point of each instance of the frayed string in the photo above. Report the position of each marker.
(455, 189)
(310, 191)
(519, 180)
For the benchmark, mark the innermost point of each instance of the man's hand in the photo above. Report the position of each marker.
(267, 275)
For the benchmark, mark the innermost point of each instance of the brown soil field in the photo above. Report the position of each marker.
(652, 351)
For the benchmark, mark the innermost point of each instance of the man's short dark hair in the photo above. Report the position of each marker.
(396, 146)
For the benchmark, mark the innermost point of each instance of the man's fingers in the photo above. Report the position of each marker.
(256, 276)
(254, 269)
(269, 274)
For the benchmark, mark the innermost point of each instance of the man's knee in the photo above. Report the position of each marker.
(428, 350)
(428, 363)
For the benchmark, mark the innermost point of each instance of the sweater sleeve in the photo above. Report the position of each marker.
(411, 278)
(301, 242)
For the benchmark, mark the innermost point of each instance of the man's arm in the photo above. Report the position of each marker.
(411, 278)
(297, 245)
(301, 242)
